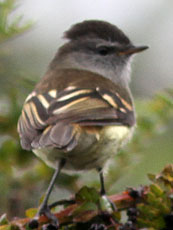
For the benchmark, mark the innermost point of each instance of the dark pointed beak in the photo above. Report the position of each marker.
(133, 50)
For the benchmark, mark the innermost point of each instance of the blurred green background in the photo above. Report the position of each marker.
(27, 44)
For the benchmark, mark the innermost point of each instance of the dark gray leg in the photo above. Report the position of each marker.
(102, 188)
(44, 208)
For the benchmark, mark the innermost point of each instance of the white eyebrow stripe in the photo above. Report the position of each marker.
(33, 94)
(76, 93)
(53, 93)
(43, 101)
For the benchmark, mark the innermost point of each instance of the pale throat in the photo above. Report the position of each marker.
(119, 74)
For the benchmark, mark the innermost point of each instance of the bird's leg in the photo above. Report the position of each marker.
(103, 191)
(102, 186)
(44, 208)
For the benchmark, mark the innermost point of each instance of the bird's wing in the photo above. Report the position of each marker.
(53, 119)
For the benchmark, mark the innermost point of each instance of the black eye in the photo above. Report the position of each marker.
(103, 50)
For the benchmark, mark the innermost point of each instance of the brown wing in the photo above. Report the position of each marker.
(54, 119)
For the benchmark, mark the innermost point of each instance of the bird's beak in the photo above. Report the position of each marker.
(133, 50)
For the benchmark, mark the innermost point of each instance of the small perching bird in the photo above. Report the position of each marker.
(81, 112)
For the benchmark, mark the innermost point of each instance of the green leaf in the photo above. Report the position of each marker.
(5, 227)
(13, 227)
(31, 212)
(87, 194)
(3, 219)
(9, 227)
(87, 206)
(10, 28)
(152, 177)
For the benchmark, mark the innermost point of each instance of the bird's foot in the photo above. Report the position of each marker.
(45, 210)
(53, 220)
(107, 205)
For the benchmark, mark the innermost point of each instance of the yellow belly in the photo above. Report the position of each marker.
(92, 151)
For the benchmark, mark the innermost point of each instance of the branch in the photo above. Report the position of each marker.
(148, 207)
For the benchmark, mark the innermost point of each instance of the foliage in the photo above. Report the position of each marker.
(151, 143)
(157, 208)
(147, 207)
(9, 29)
(11, 154)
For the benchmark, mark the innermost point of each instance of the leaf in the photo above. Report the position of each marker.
(31, 212)
(87, 206)
(156, 190)
(87, 194)
(4, 227)
(152, 177)
(9, 227)
(85, 212)
(3, 219)
(13, 227)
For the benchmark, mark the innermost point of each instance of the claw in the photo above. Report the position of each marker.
(49, 227)
(33, 224)
(45, 210)
(107, 205)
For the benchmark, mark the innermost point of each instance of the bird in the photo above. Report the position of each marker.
(81, 113)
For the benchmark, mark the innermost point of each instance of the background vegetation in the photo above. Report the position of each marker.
(23, 178)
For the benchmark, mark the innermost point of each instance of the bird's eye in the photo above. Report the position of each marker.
(103, 50)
